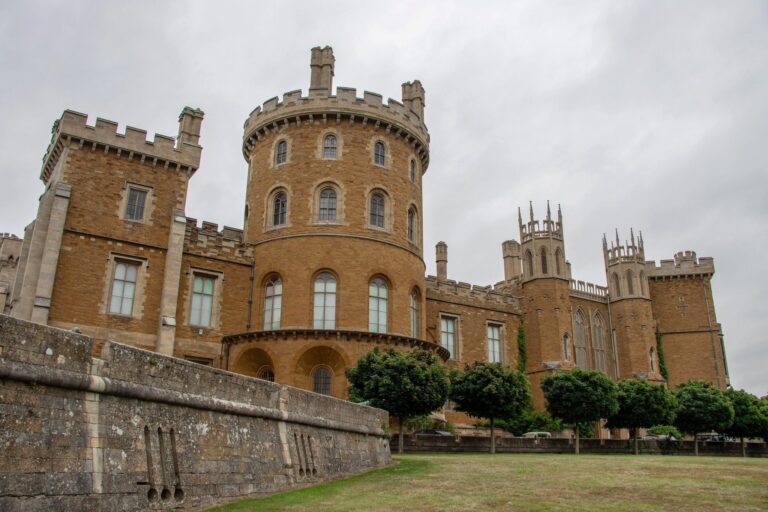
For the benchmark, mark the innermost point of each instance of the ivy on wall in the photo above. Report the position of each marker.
(521, 347)
(662, 362)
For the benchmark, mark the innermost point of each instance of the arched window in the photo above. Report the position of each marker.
(412, 225)
(529, 263)
(280, 209)
(321, 380)
(266, 373)
(325, 301)
(580, 340)
(642, 283)
(273, 303)
(379, 153)
(412, 171)
(630, 284)
(327, 204)
(377, 305)
(559, 261)
(414, 307)
(566, 347)
(377, 210)
(598, 338)
(652, 359)
(329, 146)
(616, 285)
(544, 269)
(281, 155)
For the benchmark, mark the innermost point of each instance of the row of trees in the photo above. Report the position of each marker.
(410, 384)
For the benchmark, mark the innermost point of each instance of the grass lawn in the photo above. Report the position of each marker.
(441, 482)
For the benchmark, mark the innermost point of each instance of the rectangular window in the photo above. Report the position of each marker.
(494, 343)
(448, 334)
(137, 199)
(205, 361)
(202, 300)
(123, 288)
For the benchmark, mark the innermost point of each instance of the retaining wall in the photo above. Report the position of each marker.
(134, 430)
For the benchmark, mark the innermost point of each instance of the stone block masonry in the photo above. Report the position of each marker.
(135, 430)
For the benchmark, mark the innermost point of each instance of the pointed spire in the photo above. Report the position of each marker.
(530, 203)
(549, 214)
(605, 242)
(641, 240)
(519, 216)
(632, 235)
(559, 214)
(618, 242)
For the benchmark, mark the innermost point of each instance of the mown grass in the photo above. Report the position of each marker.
(447, 482)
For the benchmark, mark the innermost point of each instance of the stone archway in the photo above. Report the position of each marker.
(255, 362)
(318, 361)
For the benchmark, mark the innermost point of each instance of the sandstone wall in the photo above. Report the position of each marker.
(135, 430)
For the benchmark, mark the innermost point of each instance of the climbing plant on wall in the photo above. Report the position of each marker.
(662, 361)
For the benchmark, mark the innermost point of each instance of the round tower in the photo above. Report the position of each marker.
(334, 215)
(630, 306)
(546, 304)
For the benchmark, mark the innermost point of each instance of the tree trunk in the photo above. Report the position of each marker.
(634, 433)
(743, 447)
(493, 438)
(400, 436)
(576, 446)
(696, 443)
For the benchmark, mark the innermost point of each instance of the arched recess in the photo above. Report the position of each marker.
(598, 343)
(616, 285)
(325, 357)
(544, 264)
(528, 263)
(559, 262)
(580, 339)
(254, 362)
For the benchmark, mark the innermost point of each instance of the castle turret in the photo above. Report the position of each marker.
(542, 246)
(631, 312)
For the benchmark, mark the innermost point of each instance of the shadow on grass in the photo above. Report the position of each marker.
(400, 469)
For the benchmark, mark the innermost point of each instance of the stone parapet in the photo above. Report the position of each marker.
(684, 264)
(480, 294)
(588, 291)
(208, 240)
(162, 150)
(135, 430)
(321, 107)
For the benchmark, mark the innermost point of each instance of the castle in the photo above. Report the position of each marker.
(330, 260)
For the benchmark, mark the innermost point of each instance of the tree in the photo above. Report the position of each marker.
(406, 384)
(642, 404)
(702, 408)
(578, 395)
(489, 390)
(749, 418)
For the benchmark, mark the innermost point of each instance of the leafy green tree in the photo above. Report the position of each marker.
(577, 396)
(489, 390)
(406, 384)
(749, 420)
(662, 359)
(702, 408)
(642, 404)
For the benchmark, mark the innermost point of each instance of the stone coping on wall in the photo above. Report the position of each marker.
(336, 335)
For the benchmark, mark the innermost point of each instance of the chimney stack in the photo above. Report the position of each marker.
(510, 249)
(441, 250)
(190, 121)
(322, 69)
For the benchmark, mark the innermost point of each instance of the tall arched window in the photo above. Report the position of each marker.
(266, 373)
(414, 307)
(379, 153)
(325, 301)
(616, 285)
(529, 263)
(377, 305)
(598, 338)
(412, 171)
(642, 283)
(544, 268)
(279, 209)
(377, 210)
(580, 340)
(281, 155)
(652, 359)
(559, 261)
(412, 225)
(327, 204)
(321, 380)
(329, 146)
(566, 347)
(273, 303)
(630, 283)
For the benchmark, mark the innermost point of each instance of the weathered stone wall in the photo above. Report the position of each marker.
(136, 430)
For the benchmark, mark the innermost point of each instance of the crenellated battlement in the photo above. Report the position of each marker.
(547, 228)
(475, 293)
(631, 251)
(9, 236)
(73, 128)
(207, 240)
(684, 264)
(321, 107)
(589, 291)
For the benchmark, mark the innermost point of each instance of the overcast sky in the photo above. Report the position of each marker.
(644, 114)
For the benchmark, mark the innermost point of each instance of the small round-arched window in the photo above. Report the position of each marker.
(266, 373)
(329, 146)
(379, 153)
(281, 155)
(321, 380)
